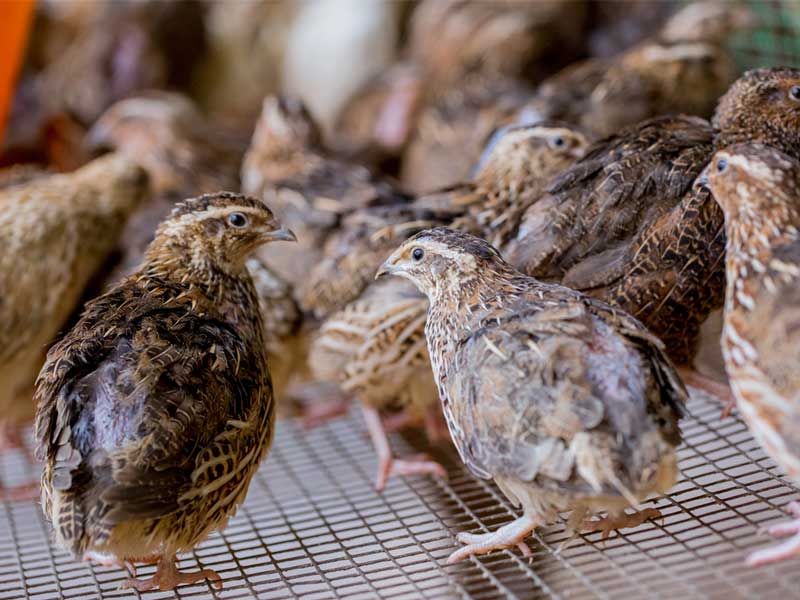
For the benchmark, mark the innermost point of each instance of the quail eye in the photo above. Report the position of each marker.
(237, 219)
(794, 92)
(417, 254)
(722, 164)
(558, 142)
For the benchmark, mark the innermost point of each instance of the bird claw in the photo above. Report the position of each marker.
(511, 535)
(612, 523)
(167, 577)
(784, 550)
(418, 465)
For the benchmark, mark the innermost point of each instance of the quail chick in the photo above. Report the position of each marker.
(311, 190)
(758, 189)
(684, 68)
(375, 346)
(565, 402)
(625, 225)
(56, 231)
(157, 407)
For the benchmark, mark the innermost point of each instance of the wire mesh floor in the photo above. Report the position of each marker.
(313, 527)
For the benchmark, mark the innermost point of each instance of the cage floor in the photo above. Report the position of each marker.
(313, 527)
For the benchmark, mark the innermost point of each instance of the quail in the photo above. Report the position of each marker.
(187, 154)
(56, 232)
(310, 188)
(375, 345)
(565, 402)
(683, 68)
(156, 408)
(625, 224)
(758, 188)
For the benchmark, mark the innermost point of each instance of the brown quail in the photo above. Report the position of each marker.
(565, 402)
(758, 189)
(625, 225)
(157, 407)
(56, 231)
(375, 345)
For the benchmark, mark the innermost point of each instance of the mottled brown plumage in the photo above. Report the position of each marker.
(682, 69)
(375, 345)
(625, 225)
(157, 407)
(310, 189)
(188, 154)
(56, 231)
(758, 189)
(565, 402)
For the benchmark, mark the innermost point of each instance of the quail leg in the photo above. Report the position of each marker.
(695, 379)
(387, 464)
(167, 577)
(109, 560)
(318, 414)
(12, 438)
(620, 521)
(508, 536)
(435, 426)
(787, 549)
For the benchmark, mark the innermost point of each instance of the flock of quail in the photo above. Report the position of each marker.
(561, 233)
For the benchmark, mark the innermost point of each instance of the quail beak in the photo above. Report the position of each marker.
(387, 268)
(281, 234)
(702, 180)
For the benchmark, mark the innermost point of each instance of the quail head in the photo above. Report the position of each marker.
(626, 225)
(310, 189)
(56, 232)
(156, 409)
(565, 402)
(758, 189)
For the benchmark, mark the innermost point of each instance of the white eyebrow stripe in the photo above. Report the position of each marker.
(216, 211)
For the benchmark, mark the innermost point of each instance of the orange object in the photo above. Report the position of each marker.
(15, 22)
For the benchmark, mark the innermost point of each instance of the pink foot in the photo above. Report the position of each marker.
(511, 535)
(167, 577)
(788, 549)
(419, 465)
(705, 383)
(387, 464)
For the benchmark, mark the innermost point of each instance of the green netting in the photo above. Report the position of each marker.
(776, 41)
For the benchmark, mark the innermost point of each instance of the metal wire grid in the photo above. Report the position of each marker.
(313, 527)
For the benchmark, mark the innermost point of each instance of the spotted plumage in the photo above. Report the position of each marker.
(565, 402)
(155, 410)
(758, 189)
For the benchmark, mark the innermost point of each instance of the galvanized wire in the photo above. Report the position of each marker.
(313, 527)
